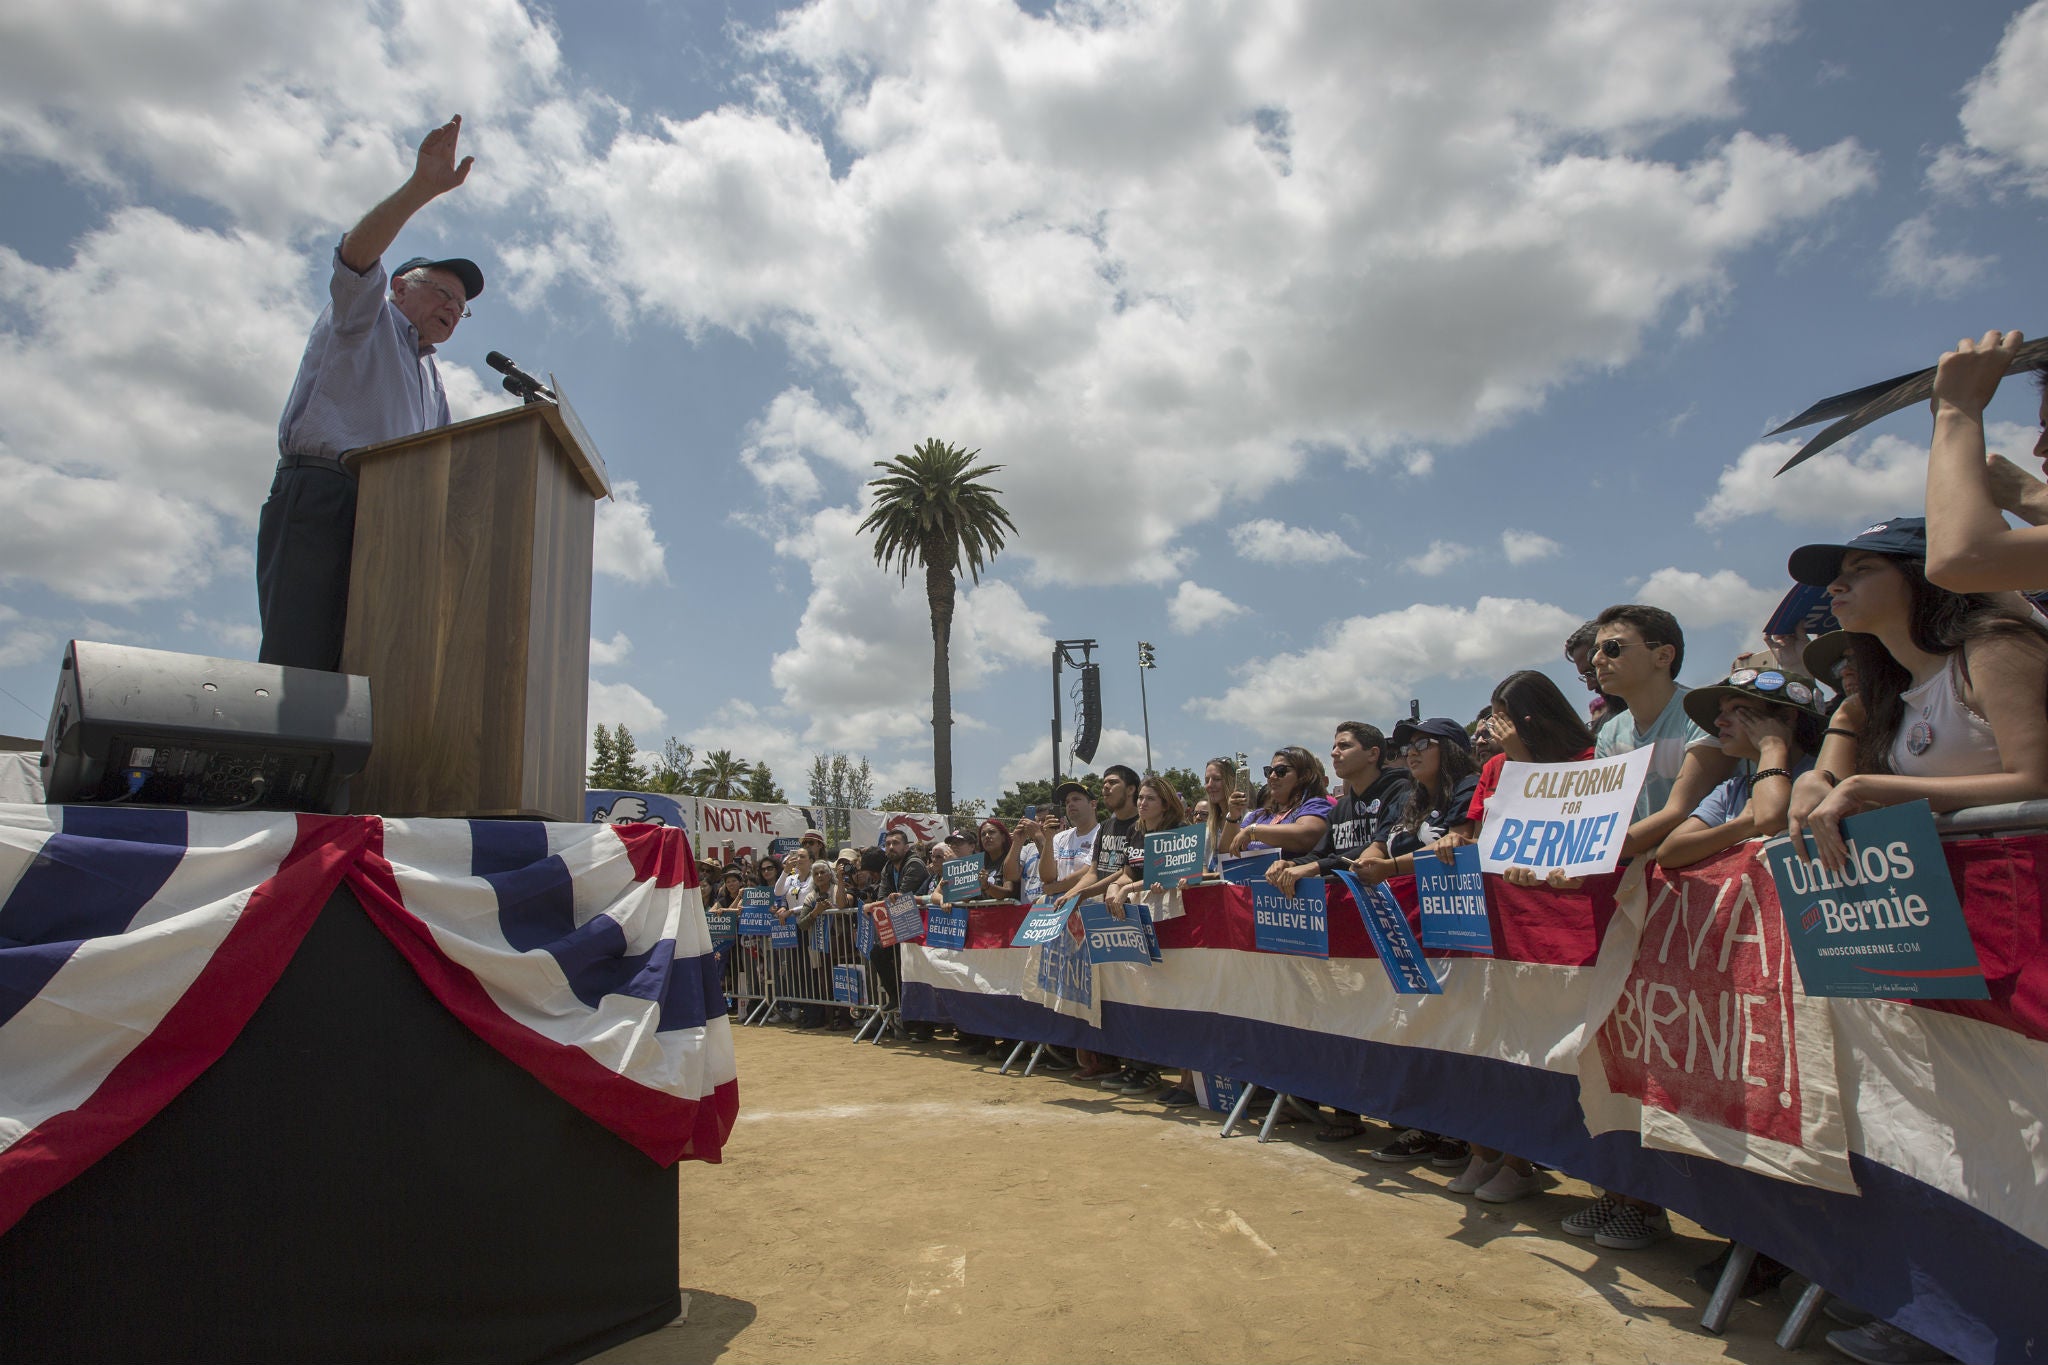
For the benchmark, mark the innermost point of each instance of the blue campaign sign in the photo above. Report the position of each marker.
(1890, 925)
(723, 924)
(846, 984)
(906, 917)
(1043, 924)
(782, 933)
(757, 912)
(865, 940)
(1110, 939)
(1297, 924)
(945, 926)
(960, 879)
(784, 846)
(1143, 914)
(1453, 897)
(1173, 856)
(1065, 971)
(1395, 942)
(1250, 869)
(821, 934)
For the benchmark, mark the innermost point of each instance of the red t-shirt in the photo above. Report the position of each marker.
(1489, 782)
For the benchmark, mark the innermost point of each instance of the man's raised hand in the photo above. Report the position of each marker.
(435, 170)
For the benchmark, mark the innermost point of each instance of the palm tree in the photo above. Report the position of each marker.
(721, 776)
(931, 513)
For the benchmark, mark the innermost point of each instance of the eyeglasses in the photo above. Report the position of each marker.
(1278, 769)
(1417, 746)
(1611, 648)
(461, 305)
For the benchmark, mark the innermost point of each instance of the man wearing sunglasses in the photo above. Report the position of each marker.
(368, 376)
(1637, 653)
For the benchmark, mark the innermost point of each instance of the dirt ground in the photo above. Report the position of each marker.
(906, 1203)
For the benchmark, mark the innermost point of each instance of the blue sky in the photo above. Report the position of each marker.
(1349, 354)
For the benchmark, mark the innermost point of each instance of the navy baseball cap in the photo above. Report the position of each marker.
(1437, 727)
(466, 271)
(1901, 537)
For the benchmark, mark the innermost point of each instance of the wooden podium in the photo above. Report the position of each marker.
(469, 611)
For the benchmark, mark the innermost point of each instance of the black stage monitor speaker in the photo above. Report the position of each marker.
(1088, 720)
(149, 728)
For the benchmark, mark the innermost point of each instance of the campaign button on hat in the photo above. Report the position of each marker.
(1741, 676)
(1770, 682)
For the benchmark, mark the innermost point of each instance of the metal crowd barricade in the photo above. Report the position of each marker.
(805, 975)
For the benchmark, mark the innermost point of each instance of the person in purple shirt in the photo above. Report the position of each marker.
(368, 375)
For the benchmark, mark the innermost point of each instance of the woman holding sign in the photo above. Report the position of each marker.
(1948, 704)
(1773, 719)
(1531, 722)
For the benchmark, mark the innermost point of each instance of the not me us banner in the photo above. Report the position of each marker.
(1700, 1038)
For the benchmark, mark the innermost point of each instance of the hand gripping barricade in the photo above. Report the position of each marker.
(826, 970)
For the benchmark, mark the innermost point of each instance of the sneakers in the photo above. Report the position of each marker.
(1880, 1343)
(1407, 1147)
(1508, 1185)
(1478, 1170)
(1632, 1229)
(1450, 1154)
(1138, 1082)
(1180, 1097)
(1588, 1221)
(1117, 1079)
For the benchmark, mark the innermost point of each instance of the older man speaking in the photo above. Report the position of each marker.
(368, 375)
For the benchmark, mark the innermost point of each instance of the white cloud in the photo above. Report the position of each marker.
(1441, 555)
(1914, 263)
(1526, 547)
(625, 704)
(2004, 120)
(283, 115)
(1721, 598)
(1113, 746)
(1194, 607)
(1268, 541)
(1081, 203)
(243, 637)
(1418, 464)
(611, 653)
(1369, 666)
(26, 646)
(626, 546)
(467, 396)
(102, 540)
(1855, 481)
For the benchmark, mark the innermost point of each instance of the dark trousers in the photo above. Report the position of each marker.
(304, 540)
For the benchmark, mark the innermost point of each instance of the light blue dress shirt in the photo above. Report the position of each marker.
(365, 378)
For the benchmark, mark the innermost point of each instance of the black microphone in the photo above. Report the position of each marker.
(517, 380)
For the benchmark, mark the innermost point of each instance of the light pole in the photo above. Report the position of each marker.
(1145, 661)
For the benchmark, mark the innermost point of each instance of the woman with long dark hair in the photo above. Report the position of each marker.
(1949, 701)
(1531, 722)
(1295, 810)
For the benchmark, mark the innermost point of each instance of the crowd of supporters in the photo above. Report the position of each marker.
(1934, 688)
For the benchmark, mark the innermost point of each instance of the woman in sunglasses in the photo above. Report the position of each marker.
(1296, 809)
(1439, 755)
(1531, 722)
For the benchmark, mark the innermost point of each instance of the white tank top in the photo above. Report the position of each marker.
(1938, 735)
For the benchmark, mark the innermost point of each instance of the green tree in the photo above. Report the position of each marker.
(1038, 792)
(931, 511)
(838, 785)
(670, 771)
(969, 810)
(761, 786)
(910, 799)
(722, 776)
(1187, 782)
(615, 761)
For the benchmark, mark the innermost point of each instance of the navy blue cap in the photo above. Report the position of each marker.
(1438, 727)
(466, 271)
(1901, 537)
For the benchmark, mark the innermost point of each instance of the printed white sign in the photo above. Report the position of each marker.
(1562, 817)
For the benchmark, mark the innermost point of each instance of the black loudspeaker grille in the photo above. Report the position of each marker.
(1088, 717)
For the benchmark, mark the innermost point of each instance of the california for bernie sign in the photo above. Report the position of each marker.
(1562, 817)
(1889, 923)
